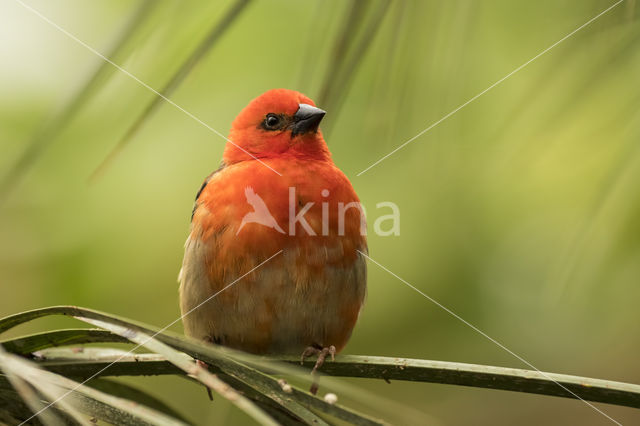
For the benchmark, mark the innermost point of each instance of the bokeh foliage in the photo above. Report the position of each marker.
(520, 212)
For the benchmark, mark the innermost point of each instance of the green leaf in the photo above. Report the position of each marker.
(185, 363)
(115, 388)
(34, 342)
(31, 383)
(264, 388)
(59, 121)
(14, 410)
(152, 364)
(75, 398)
(484, 376)
(252, 375)
(207, 43)
(349, 50)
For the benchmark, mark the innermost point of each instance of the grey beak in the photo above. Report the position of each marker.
(306, 119)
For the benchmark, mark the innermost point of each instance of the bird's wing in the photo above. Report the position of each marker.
(204, 184)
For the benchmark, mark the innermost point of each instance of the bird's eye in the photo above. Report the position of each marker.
(272, 122)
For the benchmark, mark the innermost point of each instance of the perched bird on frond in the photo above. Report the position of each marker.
(277, 197)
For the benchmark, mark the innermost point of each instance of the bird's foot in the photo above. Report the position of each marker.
(204, 365)
(322, 354)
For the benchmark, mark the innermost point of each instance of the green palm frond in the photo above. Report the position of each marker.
(206, 44)
(249, 382)
(40, 389)
(122, 47)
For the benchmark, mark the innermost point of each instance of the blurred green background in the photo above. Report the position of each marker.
(521, 212)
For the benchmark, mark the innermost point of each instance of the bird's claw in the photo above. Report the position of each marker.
(322, 354)
(205, 366)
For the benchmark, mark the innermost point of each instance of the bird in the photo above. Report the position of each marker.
(295, 282)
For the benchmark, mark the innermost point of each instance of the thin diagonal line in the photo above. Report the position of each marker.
(142, 83)
(489, 337)
(150, 338)
(490, 87)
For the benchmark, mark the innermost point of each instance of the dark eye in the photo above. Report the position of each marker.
(272, 122)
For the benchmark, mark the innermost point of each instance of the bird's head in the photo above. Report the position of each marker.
(277, 123)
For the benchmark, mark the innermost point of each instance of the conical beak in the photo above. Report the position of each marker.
(306, 119)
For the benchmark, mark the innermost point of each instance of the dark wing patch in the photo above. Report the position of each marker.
(206, 181)
(204, 184)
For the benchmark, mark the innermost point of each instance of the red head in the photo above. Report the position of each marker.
(277, 123)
